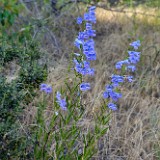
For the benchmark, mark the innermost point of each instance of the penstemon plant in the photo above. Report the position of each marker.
(67, 135)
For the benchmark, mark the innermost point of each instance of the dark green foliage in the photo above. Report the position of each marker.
(32, 75)
(8, 55)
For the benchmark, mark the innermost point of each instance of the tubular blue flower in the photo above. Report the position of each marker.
(78, 43)
(46, 88)
(88, 26)
(90, 16)
(83, 35)
(91, 56)
(85, 86)
(83, 68)
(130, 78)
(109, 88)
(131, 68)
(79, 20)
(62, 102)
(92, 8)
(116, 79)
(115, 96)
(105, 94)
(91, 33)
(112, 106)
(134, 53)
(135, 44)
(43, 87)
(134, 57)
(120, 63)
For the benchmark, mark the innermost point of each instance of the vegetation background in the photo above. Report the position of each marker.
(36, 42)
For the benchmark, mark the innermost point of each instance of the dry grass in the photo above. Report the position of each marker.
(134, 128)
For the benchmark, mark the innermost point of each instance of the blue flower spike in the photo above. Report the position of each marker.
(116, 80)
(85, 43)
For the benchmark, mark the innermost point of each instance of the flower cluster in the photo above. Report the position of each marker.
(46, 88)
(85, 44)
(129, 65)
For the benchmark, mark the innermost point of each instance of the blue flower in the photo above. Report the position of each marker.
(91, 33)
(46, 88)
(135, 44)
(134, 57)
(109, 93)
(120, 63)
(88, 26)
(109, 88)
(112, 106)
(90, 16)
(62, 102)
(43, 87)
(116, 79)
(78, 43)
(83, 36)
(130, 78)
(131, 68)
(105, 94)
(115, 95)
(91, 56)
(79, 20)
(85, 86)
(83, 68)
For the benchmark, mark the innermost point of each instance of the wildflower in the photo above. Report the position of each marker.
(88, 26)
(112, 106)
(79, 20)
(131, 68)
(130, 78)
(85, 86)
(135, 44)
(134, 57)
(109, 93)
(83, 35)
(116, 79)
(109, 88)
(115, 96)
(62, 102)
(83, 68)
(91, 33)
(105, 94)
(43, 87)
(78, 43)
(91, 56)
(46, 88)
(120, 63)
